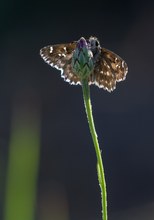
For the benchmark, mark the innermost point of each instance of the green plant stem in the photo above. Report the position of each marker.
(100, 168)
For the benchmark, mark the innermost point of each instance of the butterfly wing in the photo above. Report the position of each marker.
(109, 69)
(60, 57)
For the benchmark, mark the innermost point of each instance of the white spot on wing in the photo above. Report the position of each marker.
(51, 49)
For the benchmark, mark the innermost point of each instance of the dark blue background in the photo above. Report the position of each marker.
(124, 119)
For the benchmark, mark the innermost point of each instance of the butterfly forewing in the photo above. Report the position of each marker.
(57, 55)
(109, 69)
(60, 57)
(116, 63)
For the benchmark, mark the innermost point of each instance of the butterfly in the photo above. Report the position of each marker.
(109, 68)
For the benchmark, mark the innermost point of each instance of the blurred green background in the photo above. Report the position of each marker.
(47, 160)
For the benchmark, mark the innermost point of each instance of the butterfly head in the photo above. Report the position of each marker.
(94, 43)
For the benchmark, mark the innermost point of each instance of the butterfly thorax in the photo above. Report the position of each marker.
(95, 48)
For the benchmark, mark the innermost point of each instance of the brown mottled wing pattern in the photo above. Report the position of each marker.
(60, 57)
(109, 69)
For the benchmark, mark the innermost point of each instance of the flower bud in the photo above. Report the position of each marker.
(82, 59)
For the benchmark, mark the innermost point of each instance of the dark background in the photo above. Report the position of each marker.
(124, 118)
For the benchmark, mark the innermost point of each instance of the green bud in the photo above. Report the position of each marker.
(82, 60)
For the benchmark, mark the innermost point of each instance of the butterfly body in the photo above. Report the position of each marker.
(108, 69)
